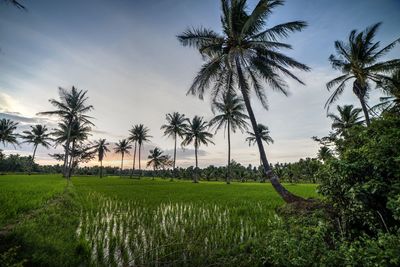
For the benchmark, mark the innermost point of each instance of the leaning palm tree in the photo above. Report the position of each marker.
(38, 135)
(358, 59)
(230, 116)
(347, 118)
(197, 134)
(7, 135)
(71, 109)
(245, 56)
(142, 137)
(133, 137)
(122, 147)
(157, 159)
(175, 127)
(102, 149)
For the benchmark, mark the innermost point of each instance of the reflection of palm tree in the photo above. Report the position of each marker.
(122, 147)
(197, 134)
(71, 109)
(358, 60)
(7, 135)
(230, 117)
(176, 126)
(38, 135)
(245, 55)
(102, 149)
(347, 118)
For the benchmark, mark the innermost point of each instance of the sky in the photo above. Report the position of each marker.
(126, 55)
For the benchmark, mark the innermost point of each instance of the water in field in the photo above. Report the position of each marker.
(132, 233)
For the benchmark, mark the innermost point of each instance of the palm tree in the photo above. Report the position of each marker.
(143, 136)
(391, 88)
(263, 132)
(245, 56)
(38, 135)
(133, 137)
(231, 117)
(325, 153)
(122, 147)
(71, 109)
(197, 134)
(77, 133)
(347, 118)
(358, 61)
(7, 135)
(102, 149)
(176, 126)
(157, 159)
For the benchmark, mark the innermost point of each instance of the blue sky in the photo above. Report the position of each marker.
(126, 55)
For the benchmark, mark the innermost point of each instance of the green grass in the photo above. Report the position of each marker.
(114, 221)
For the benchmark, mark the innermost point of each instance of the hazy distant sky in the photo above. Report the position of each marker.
(125, 53)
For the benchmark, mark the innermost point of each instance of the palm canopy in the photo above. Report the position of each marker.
(79, 131)
(348, 117)
(71, 106)
(197, 133)
(230, 110)
(101, 148)
(122, 147)
(38, 135)
(176, 125)
(390, 102)
(264, 134)
(246, 53)
(141, 134)
(7, 135)
(359, 60)
(157, 159)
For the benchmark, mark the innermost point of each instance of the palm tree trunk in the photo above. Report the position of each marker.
(360, 92)
(134, 159)
(140, 172)
(33, 159)
(122, 164)
(228, 170)
(365, 110)
(65, 168)
(174, 153)
(279, 188)
(101, 169)
(197, 164)
(71, 161)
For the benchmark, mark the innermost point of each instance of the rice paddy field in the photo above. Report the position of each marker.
(127, 222)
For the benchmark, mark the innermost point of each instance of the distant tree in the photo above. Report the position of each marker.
(158, 160)
(230, 115)
(246, 55)
(38, 135)
(122, 147)
(348, 117)
(197, 134)
(175, 127)
(102, 149)
(71, 109)
(358, 59)
(7, 135)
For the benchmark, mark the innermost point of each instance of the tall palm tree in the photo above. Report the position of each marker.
(157, 159)
(122, 147)
(102, 149)
(133, 137)
(230, 116)
(246, 55)
(175, 127)
(38, 135)
(7, 135)
(358, 59)
(71, 109)
(197, 134)
(348, 117)
(142, 137)
(77, 133)
(390, 102)
(263, 131)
